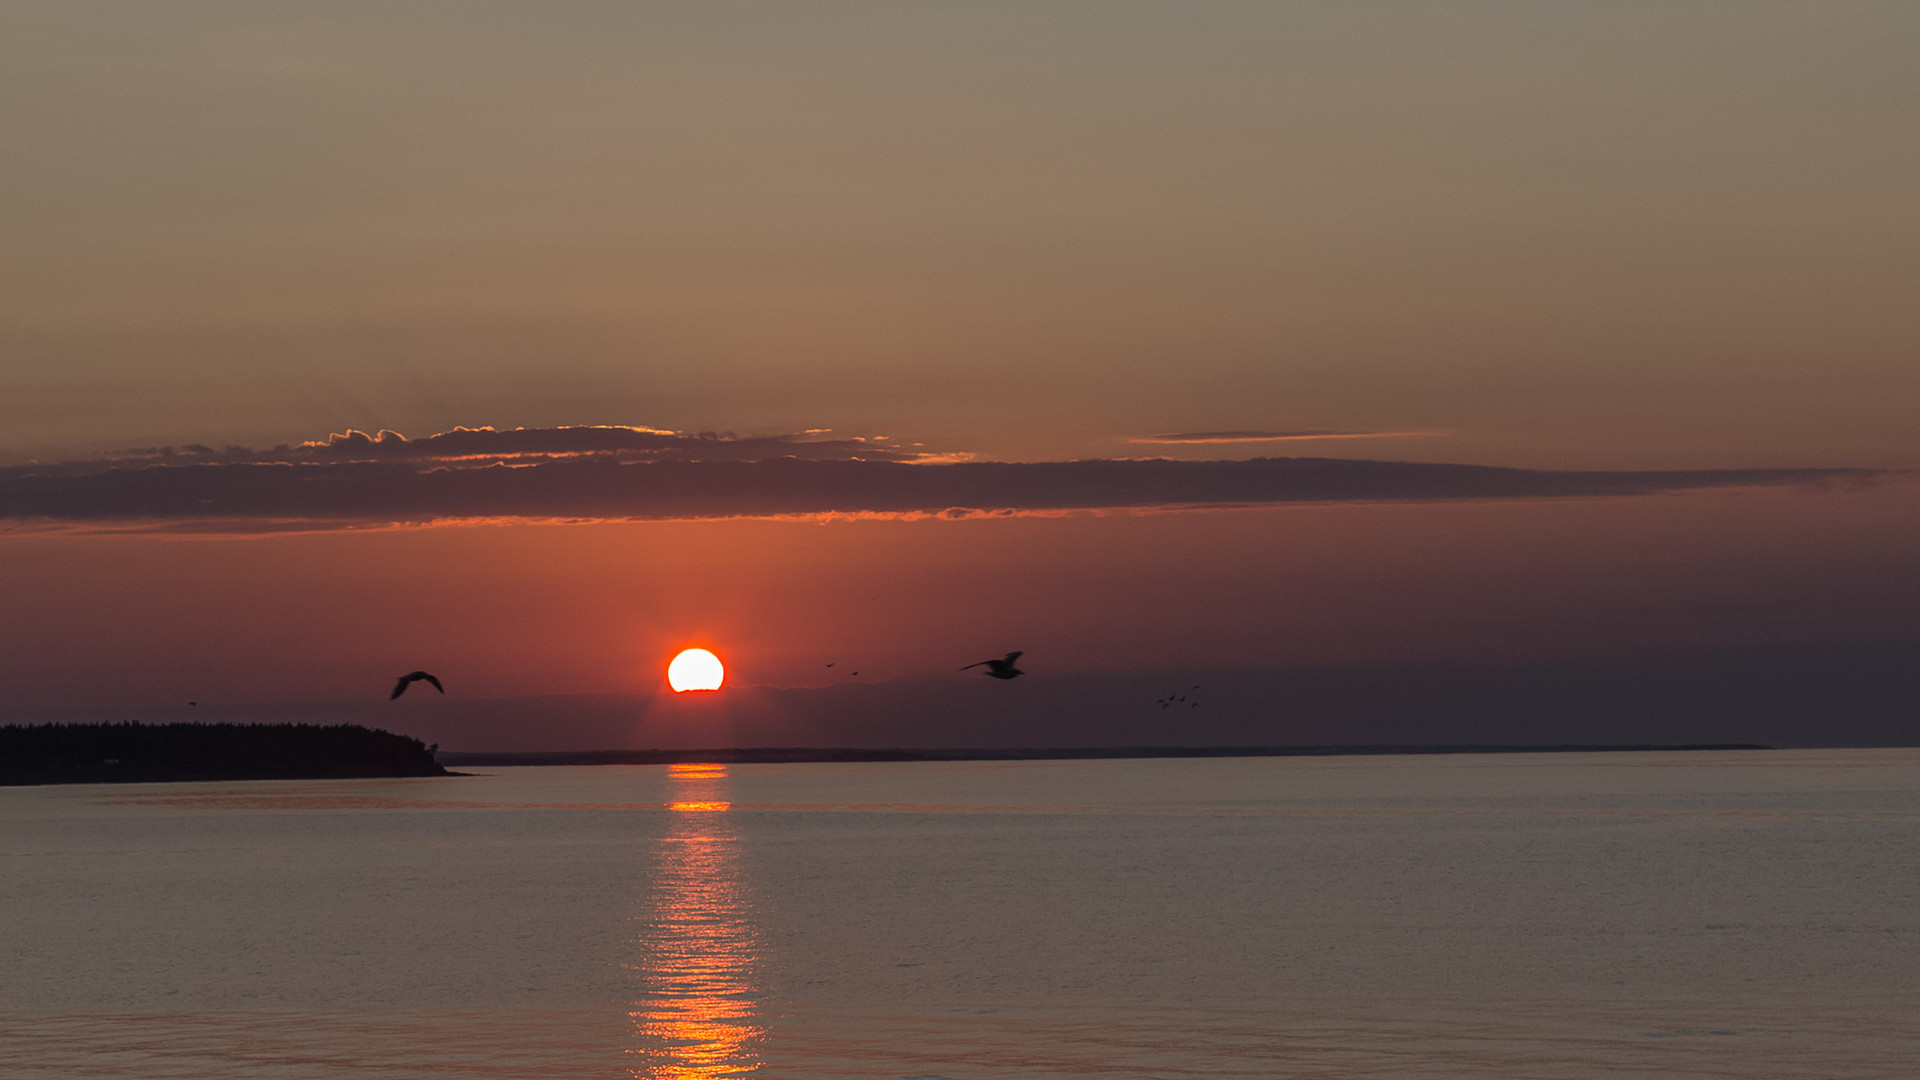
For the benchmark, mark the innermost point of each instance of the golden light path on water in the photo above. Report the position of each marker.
(698, 1015)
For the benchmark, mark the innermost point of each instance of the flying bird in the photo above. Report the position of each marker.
(1000, 669)
(409, 679)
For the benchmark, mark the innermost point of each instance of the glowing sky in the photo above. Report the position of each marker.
(1624, 237)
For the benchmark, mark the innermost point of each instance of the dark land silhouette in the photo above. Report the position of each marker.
(128, 752)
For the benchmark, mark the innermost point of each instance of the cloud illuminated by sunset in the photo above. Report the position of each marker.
(1187, 438)
(638, 473)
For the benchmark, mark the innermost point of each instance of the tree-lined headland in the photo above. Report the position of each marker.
(130, 752)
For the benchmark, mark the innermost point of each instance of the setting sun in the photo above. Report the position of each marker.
(695, 669)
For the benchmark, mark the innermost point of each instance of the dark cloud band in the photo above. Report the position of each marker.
(268, 494)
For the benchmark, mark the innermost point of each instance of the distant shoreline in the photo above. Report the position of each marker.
(149, 753)
(127, 753)
(802, 755)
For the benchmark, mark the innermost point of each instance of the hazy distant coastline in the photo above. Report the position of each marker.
(135, 752)
(781, 755)
(129, 753)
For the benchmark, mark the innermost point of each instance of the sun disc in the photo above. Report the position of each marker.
(695, 669)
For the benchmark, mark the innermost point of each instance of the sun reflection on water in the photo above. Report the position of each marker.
(698, 1013)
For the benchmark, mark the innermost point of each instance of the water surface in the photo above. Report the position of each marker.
(1742, 914)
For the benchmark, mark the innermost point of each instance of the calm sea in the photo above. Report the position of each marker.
(1744, 915)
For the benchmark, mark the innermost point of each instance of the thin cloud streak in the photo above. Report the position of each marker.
(1185, 438)
(465, 446)
(639, 474)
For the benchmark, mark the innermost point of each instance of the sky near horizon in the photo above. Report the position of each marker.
(1658, 260)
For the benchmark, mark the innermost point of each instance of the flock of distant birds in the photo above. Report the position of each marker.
(1170, 700)
(1001, 668)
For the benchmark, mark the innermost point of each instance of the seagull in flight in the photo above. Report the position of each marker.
(409, 679)
(1000, 669)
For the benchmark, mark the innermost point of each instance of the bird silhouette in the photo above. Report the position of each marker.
(409, 679)
(1000, 669)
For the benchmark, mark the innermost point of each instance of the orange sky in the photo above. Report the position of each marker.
(1622, 236)
(505, 611)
